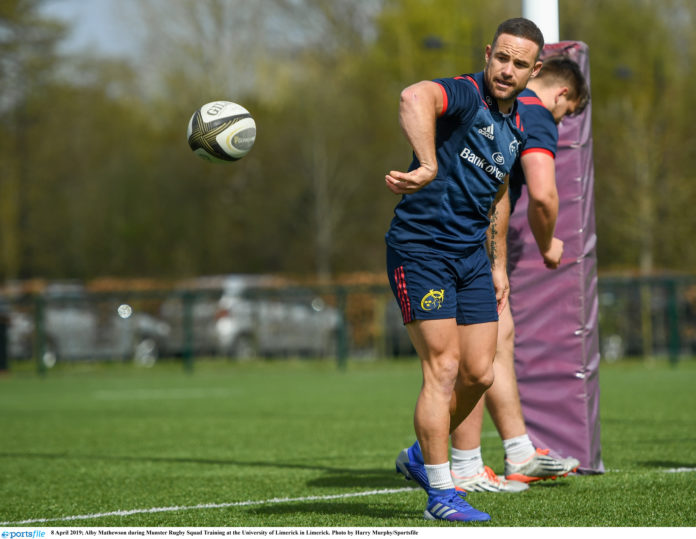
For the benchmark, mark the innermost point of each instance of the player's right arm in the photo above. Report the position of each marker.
(419, 107)
(540, 172)
(496, 243)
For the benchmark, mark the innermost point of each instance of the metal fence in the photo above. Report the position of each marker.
(244, 319)
(240, 319)
(647, 317)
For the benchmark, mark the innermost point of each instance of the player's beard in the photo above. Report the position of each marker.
(506, 91)
(505, 97)
(504, 94)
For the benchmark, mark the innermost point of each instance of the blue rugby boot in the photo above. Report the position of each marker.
(450, 505)
(410, 464)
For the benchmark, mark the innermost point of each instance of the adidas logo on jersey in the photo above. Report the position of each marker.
(487, 132)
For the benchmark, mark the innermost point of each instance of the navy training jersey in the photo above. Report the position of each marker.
(542, 136)
(476, 147)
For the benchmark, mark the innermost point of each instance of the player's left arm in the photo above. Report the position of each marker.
(496, 243)
(539, 169)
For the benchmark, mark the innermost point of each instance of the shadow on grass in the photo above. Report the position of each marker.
(334, 477)
(361, 478)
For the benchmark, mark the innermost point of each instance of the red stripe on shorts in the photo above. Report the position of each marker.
(404, 302)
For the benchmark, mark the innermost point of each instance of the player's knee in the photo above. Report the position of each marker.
(479, 377)
(486, 379)
(442, 375)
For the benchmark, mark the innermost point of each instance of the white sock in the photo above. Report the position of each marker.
(439, 476)
(519, 448)
(467, 462)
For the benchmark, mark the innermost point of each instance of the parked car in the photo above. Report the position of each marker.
(256, 319)
(190, 313)
(75, 325)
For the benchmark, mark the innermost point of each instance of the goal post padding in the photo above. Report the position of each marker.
(556, 311)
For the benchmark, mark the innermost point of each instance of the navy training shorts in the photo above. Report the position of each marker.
(432, 287)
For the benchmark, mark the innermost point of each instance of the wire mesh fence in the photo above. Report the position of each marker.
(647, 317)
(238, 317)
(247, 317)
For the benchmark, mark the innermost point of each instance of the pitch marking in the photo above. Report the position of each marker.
(125, 513)
(669, 470)
(271, 501)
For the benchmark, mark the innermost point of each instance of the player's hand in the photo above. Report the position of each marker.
(403, 183)
(552, 257)
(501, 284)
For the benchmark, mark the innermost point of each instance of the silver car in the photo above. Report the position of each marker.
(68, 323)
(255, 318)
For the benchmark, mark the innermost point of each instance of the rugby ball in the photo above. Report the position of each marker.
(221, 131)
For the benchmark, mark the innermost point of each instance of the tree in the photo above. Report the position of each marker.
(96, 177)
(27, 62)
(641, 62)
(306, 120)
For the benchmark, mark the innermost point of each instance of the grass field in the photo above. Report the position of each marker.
(292, 443)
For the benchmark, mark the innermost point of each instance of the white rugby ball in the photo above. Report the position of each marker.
(221, 131)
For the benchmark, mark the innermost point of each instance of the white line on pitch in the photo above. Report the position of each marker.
(125, 513)
(669, 470)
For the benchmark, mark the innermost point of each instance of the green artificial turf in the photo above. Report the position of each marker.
(304, 444)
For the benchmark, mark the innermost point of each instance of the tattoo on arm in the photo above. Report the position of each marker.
(492, 237)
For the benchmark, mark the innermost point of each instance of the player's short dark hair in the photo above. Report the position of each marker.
(521, 27)
(562, 69)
